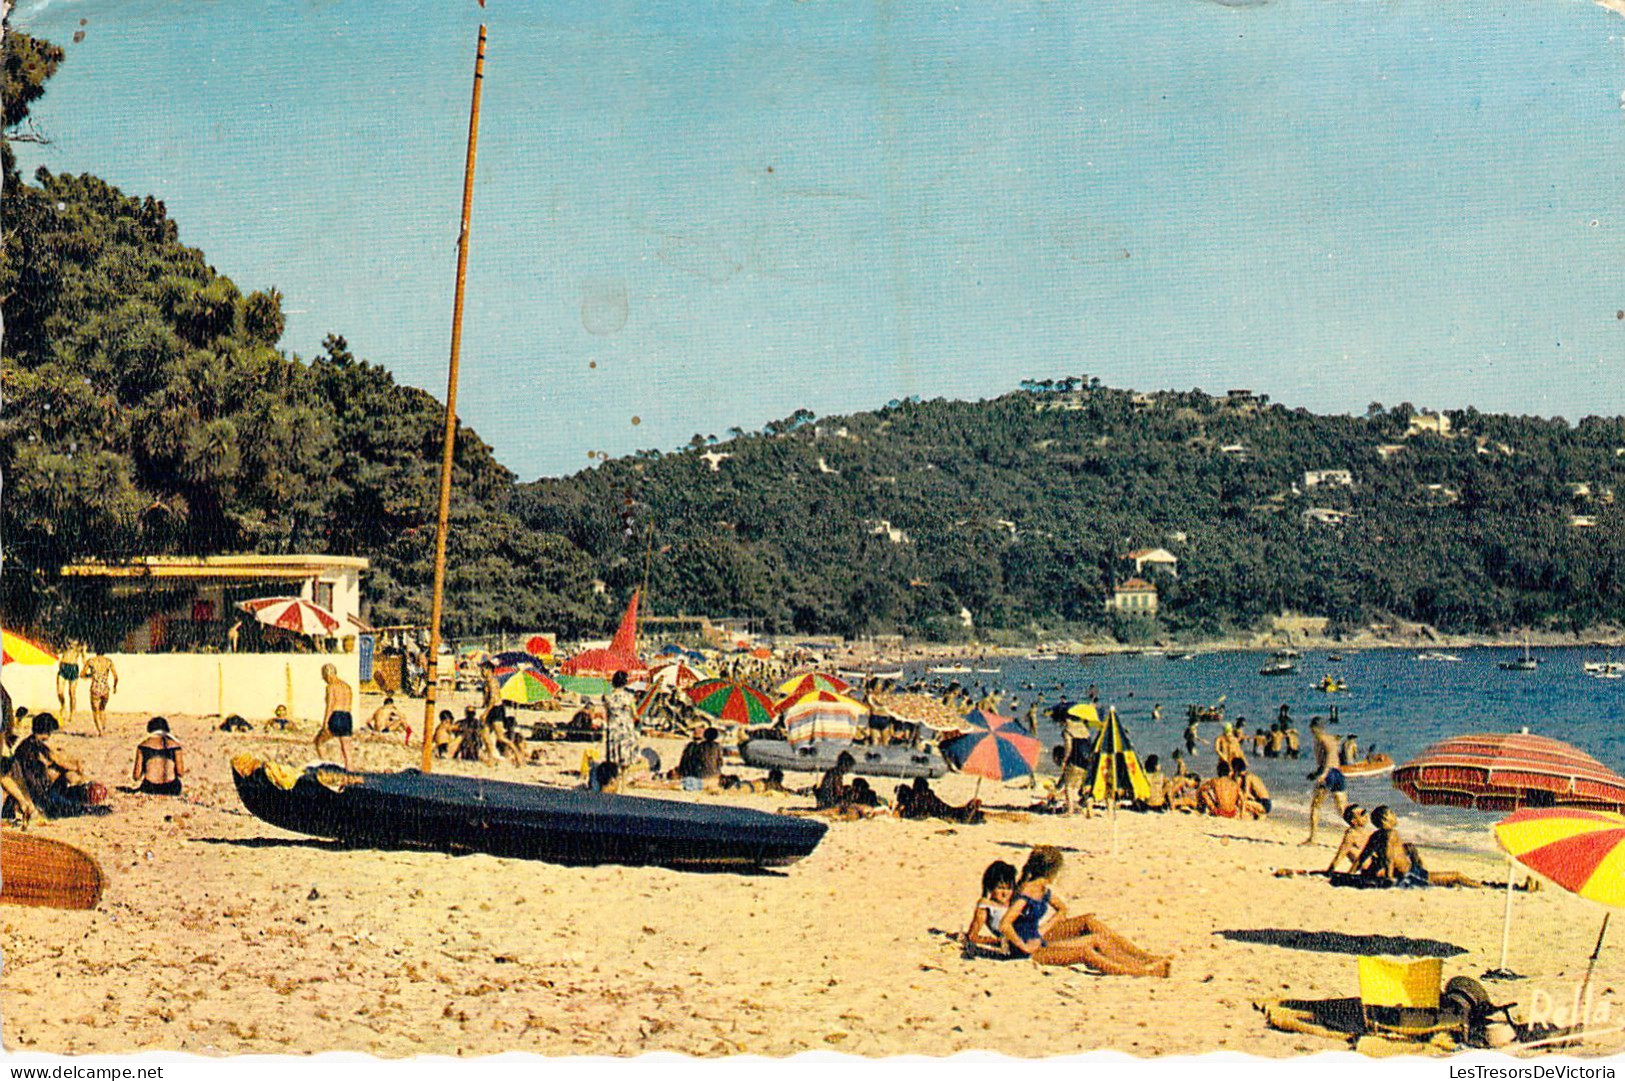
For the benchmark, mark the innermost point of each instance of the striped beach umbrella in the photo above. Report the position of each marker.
(525, 686)
(731, 700)
(796, 686)
(1117, 770)
(1581, 850)
(822, 715)
(293, 614)
(996, 747)
(19, 650)
(1506, 771)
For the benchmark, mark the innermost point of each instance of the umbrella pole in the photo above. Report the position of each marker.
(1501, 971)
(1585, 984)
(450, 437)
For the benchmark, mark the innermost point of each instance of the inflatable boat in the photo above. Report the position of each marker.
(820, 755)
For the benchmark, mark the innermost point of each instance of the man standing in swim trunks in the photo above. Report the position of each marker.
(103, 682)
(337, 723)
(1327, 777)
(67, 680)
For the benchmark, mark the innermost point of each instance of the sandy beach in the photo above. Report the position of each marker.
(221, 934)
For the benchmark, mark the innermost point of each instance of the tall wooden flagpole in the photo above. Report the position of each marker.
(450, 442)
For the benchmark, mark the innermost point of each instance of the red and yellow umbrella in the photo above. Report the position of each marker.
(822, 715)
(1581, 850)
(731, 700)
(796, 686)
(19, 650)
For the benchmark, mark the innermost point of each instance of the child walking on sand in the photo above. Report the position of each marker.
(1036, 924)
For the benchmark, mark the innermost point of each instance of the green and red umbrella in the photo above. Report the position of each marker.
(731, 700)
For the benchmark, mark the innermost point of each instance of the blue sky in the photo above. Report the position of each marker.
(703, 215)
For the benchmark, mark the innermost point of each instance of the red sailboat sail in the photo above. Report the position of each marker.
(621, 655)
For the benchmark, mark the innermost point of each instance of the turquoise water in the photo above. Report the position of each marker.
(1395, 702)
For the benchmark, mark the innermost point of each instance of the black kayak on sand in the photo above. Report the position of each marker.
(524, 821)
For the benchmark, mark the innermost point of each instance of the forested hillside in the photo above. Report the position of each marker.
(1021, 509)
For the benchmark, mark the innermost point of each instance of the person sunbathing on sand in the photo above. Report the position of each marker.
(917, 801)
(1036, 925)
(983, 938)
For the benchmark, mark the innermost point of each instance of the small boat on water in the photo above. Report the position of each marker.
(1438, 657)
(950, 669)
(987, 671)
(452, 813)
(1278, 668)
(881, 760)
(1334, 658)
(1287, 654)
(1181, 656)
(1526, 663)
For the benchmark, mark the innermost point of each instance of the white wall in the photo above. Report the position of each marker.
(202, 684)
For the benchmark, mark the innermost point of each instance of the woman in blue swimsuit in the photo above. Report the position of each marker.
(1037, 925)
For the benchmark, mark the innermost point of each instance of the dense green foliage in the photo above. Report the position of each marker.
(1021, 509)
(149, 411)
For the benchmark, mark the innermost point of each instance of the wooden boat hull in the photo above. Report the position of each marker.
(522, 821)
(47, 874)
(818, 756)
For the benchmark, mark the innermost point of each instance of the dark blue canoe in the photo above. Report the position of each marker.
(524, 821)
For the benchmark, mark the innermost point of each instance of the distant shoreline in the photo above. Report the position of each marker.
(863, 654)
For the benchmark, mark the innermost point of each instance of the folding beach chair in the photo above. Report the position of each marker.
(1400, 997)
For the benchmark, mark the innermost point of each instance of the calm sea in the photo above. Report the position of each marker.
(1394, 701)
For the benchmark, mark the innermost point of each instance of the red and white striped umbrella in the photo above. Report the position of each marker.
(1506, 771)
(293, 614)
